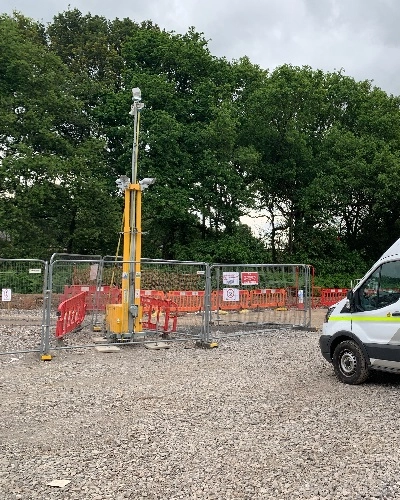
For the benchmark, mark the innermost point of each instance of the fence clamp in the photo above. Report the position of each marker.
(134, 310)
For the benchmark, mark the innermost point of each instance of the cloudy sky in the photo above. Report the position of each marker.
(360, 36)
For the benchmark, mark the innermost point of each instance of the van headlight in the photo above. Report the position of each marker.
(328, 313)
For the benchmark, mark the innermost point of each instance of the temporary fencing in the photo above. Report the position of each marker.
(22, 282)
(178, 300)
(23, 304)
(73, 300)
(177, 290)
(184, 286)
(253, 297)
(185, 301)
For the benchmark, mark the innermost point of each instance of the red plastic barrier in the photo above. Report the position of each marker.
(330, 296)
(187, 301)
(159, 307)
(71, 313)
(267, 297)
(96, 299)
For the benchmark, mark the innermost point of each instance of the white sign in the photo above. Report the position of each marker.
(230, 294)
(35, 271)
(93, 271)
(230, 278)
(6, 295)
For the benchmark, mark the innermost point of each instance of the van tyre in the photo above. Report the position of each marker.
(349, 363)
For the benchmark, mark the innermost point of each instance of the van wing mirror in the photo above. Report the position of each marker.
(350, 300)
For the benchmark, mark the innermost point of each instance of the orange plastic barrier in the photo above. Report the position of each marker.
(71, 313)
(159, 307)
(96, 299)
(187, 301)
(316, 297)
(155, 294)
(267, 297)
(217, 301)
(330, 296)
(193, 301)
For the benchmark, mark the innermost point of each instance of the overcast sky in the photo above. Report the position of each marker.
(360, 36)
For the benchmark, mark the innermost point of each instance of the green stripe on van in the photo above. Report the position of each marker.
(376, 319)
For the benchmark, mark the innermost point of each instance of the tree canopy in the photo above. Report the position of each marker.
(316, 153)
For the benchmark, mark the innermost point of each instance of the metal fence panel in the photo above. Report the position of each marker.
(22, 309)
(246, 298)
(205, 302)
(69, 276)
(99, 281)
(182, 283)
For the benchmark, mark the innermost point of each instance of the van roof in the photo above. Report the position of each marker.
(391, 251)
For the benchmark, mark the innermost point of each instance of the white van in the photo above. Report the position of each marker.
(362, 332)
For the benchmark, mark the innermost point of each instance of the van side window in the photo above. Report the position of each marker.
(381, 289)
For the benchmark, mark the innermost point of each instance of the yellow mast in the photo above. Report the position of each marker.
(125, 319)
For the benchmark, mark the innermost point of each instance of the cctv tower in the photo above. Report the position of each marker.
(125, 319)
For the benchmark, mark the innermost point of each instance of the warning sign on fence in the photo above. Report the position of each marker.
(230, 294)
(93, 271)
(249, 278)
(35, 271)
(230, 278)
(6, 295)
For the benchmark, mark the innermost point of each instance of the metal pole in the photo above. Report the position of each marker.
(134, 111)
(134, 323)
(207, 306)
(47, 291)
(125, 263)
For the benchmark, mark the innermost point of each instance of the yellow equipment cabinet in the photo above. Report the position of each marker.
(114, 318)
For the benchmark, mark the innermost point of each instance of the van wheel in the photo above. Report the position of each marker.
(349, 363)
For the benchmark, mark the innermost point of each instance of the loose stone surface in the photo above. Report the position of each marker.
(260, 417)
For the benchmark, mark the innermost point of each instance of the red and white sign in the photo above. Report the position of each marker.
(249, 278)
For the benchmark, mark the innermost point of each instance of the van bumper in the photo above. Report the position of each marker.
(325, 346)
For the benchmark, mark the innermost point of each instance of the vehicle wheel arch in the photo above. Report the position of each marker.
(345, 335)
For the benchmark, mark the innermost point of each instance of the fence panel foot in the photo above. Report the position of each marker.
(206, 345)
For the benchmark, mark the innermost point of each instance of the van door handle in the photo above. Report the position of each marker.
(396, 313)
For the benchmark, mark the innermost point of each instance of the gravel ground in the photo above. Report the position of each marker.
(261, 417)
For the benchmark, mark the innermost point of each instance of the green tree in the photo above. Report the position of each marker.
(49, 156)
